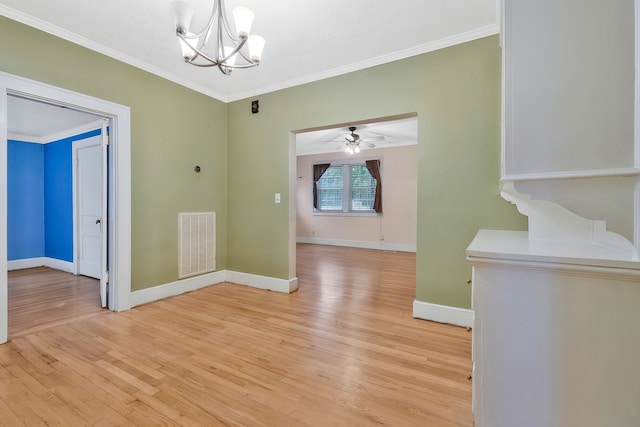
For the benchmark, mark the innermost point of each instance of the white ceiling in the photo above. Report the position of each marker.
(34, 121)
(306, 40)
(385, 134)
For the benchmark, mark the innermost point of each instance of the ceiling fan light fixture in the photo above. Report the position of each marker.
(226, 49)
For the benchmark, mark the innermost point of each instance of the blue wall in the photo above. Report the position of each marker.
(25, 197)
(58, 201)
(46, 213)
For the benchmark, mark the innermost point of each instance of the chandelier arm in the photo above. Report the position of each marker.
(225, 23)
(213, 61)
(234, 51)
(246, 58)
(233, 38)
(198, 52)
(202, 38)
(206, 30)
(241, 65)
(224, 69)
(208, 64)
(220, 46)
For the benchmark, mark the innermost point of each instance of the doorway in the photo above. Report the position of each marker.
(119, 185)
(346, 216)
(41, 205)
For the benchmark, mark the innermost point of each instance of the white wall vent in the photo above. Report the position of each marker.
(197, 233)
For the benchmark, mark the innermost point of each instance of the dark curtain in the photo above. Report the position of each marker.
(373, 166)
(318, 171)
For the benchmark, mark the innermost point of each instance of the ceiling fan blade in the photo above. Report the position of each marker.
(334, 136)
(374, 138)
(368, 144)
(390, 135)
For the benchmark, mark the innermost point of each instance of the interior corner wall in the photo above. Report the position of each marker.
(456, 94)
(40, 199)
(25, 200)
(173, 129)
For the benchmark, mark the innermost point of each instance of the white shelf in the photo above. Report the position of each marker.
(547, 176)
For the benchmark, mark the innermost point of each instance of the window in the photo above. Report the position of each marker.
(363, 188)
(330, 188)
(346, 188)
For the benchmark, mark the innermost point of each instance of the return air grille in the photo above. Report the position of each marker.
(197, 243)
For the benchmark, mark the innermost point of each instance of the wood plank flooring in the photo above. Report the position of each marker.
(342, 351)
(42, 297)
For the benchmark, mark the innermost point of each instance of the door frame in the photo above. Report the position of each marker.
(119, 194)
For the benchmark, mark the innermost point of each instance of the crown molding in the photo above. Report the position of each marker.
(62, 33)
(47, 27)
(468, 36)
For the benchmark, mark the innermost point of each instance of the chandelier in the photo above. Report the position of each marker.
(226, 47)
(353, 145)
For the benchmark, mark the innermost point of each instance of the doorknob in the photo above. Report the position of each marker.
(98, 221)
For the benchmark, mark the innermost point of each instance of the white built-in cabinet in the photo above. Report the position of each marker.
(556, 334)
(556, 339)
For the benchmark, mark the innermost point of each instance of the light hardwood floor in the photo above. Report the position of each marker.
(342, 351)
(42, 297)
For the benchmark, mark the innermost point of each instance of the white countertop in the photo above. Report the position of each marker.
(516, 246)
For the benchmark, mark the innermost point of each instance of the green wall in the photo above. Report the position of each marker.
(172, 130)
(456, 95)
(245, 158)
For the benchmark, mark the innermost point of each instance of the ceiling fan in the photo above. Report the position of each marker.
(354, 142)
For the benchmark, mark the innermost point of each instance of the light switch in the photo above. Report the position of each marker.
(277, 197)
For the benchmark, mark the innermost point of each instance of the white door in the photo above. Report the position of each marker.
(90, 210)
(91, 226)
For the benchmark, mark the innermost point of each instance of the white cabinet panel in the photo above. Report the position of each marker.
(556, 339)
(569, 85)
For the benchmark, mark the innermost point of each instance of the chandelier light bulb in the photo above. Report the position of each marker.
(357, 149)
(182, 15)
(243, 18)
(187, 46)
(256, 46)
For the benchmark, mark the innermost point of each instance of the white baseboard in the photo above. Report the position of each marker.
(263, 282)
(189, 284)
(178, 287)
(443, 313)
(383, 246)
(56, 264)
